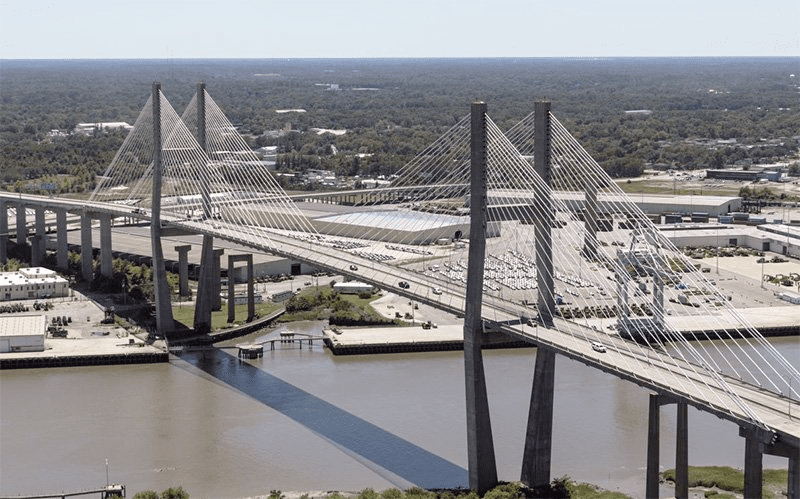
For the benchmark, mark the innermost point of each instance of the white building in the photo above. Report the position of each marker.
(22, 333)
(89, 128)
(32, 283)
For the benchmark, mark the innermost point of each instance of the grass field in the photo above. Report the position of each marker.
(219, 319)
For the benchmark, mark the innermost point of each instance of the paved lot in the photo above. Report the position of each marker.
(85, 334)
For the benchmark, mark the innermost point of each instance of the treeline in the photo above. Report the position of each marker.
(392, 109)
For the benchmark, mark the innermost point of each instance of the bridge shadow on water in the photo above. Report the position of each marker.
(387, 454)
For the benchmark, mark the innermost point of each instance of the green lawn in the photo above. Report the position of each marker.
(732, 480)
(219, 319)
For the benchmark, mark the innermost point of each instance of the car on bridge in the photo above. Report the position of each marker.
(598, 347)
(353, 267)
(403, 284)
(436, 291)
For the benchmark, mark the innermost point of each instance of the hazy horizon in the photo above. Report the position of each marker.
(354, 29)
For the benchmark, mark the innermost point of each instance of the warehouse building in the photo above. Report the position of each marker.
(22, 333)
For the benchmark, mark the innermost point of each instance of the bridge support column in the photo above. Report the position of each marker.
(3, 232)
(653, 446)
(480, 445)
(682, 452)
(759, 442)
(183, 269)
(544, 208)
(164, 322)
(62, 248)
(251, 302)
(39, 250)
(86, 247)
(106, 254)
(22, 229)
(217, 275)
(205, 288)
(753, 467)
(793, 487)
(36, 245)
(537, 454)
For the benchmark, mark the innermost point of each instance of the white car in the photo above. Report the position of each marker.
(436, 291)
(598, 347)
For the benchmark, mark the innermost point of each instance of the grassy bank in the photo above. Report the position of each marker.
(219, 319)
(725, 482)
(321, 303)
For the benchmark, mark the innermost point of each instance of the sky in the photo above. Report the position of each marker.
(166, 29)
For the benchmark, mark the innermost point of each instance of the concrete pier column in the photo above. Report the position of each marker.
(3, 232)
(480, 445)
(543, 223)
(106, 250)
(753, 467)
(36, 250)
(760, 441)
(251, 304)
(217, 276)
(38, 253)
(86, 247)
(537, 453)
(62, 246)
(682, 453)
(22, 229)
(793, 485)
(205, 287)
(183, 269)
(251, 291)
(653, 446)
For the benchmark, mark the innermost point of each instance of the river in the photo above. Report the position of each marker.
(302, 419)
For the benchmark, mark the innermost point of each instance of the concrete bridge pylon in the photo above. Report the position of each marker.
(164, 320)
(480, 445)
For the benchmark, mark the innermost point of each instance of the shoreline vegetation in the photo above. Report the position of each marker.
(718, 482)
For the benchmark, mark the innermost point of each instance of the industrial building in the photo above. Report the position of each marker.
(777, 238)
(22, 333)
(32, 283)
(609, 203)
(751, 175)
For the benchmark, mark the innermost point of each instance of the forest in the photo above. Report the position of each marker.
(692, 112)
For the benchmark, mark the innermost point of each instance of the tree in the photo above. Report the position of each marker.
(173, 493)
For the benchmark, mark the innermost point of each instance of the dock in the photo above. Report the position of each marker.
(357, 341)
(95, 351)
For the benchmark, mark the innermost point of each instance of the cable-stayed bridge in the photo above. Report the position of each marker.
(555, 254)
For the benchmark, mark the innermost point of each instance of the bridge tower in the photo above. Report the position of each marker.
(164, 322)
(209, 261)
(539, 434)
(480, 445)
